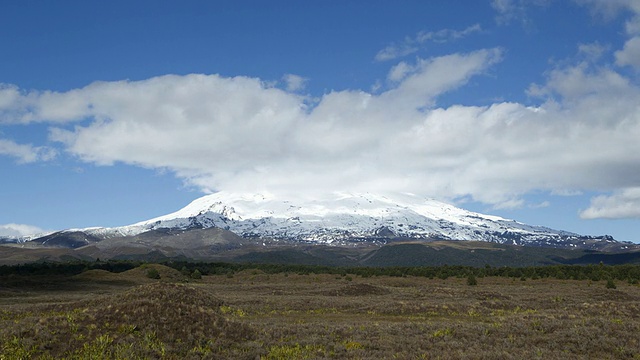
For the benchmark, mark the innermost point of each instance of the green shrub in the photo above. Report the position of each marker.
(611, 284)
(471, 280)
(185, 271)
(153, 273)
(196, 274)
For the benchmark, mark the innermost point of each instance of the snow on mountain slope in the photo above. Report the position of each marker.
(342, 217)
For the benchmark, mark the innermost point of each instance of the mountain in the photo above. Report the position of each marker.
(8, 240)
(341, 219)
(338, 229)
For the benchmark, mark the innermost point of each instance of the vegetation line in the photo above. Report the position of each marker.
(630, 273)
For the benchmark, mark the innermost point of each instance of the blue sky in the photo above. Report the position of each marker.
(113, 112)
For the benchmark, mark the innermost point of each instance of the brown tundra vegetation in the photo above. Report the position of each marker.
(254, 315)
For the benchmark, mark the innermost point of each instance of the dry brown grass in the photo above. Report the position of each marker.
(274, 316)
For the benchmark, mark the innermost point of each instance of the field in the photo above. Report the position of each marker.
(254, 315)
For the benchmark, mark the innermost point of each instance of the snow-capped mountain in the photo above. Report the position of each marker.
(347, 217)
(21, 239)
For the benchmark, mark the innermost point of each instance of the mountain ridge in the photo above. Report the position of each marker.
(340, 218)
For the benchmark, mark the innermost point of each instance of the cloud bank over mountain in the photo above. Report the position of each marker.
(247, 134)
(18, 230)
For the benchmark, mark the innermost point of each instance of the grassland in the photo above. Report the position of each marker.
(254, 315)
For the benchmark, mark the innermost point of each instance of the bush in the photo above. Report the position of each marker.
(611, 284)
(185, 271)
(153, 274)
(196, 274)
(471, 280)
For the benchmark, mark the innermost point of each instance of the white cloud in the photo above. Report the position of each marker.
(575, 83)
(608, 9)
(186, 123)
(510, 10)
(25, 153)
(241, 134)
(446, 35)
(592, 52)
(19, 230)
(509, 204)
(25, 107)
(503, 6)
(9, 97)
(411, 45)
(395, 51)
(622, 204)
(541, 205)
(633, 25)
(427, 79)
(294, 83)
(399, 71)
(630, 54)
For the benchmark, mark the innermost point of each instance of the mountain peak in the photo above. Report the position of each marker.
(337, 218)
(340, 217)
(239, 206)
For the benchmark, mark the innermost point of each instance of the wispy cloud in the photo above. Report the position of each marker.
(395, 51)
(19, 230)
(411, 45)
(609, 9)
(446, 35)
(26, 153)
(509, 11)
(629, 55)
(294, 83)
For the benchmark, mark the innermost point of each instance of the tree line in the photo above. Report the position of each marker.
(594, 272)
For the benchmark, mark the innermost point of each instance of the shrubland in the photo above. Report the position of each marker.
(248, 311)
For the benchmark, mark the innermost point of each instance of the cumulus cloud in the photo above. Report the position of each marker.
(630, 54)
(411, 45)
(26, 153)
(222, 133)
(623, 203)
(575, 83)
(243, 134)
(19, 107)
(19, 230)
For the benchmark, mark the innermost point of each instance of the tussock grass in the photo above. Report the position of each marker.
(148, 321)
(359, 289)
(166, 273)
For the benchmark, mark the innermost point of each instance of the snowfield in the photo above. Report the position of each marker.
(341, 216)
